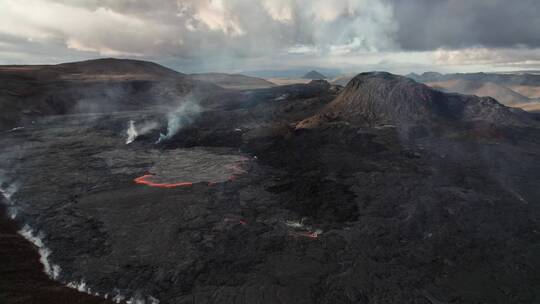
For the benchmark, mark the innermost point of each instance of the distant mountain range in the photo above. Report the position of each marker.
(509, 89)
(293, 73)
(500, 92)
(504, 79)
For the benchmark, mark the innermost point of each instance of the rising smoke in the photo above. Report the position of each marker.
(53, 270)
(7, 190)
(133, 131)
(184, 115)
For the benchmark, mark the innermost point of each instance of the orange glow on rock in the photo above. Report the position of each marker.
(310, 235)
(143, 180)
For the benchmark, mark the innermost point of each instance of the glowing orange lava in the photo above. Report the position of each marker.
(311, 235)
(143, 180)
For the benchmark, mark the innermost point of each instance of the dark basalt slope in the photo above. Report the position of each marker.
(22, 277)
(95, 86)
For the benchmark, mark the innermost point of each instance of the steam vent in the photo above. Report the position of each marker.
(203, 165)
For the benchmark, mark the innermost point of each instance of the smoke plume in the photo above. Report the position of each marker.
(133, 132)
(52, 270)
(184, 115)
(7, 190)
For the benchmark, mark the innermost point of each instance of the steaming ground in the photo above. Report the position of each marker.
(194, 165)
(77, 155)
(344, 212)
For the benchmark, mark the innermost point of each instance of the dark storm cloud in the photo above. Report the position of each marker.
(235, 34)
(432, 24)
(201, 28)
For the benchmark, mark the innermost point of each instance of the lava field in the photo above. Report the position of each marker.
(384, 191)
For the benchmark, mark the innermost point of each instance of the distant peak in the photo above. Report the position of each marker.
(314, 75)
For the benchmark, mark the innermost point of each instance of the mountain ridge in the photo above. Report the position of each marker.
(384, 98)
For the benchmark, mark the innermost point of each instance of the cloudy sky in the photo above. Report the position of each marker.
(239, 35)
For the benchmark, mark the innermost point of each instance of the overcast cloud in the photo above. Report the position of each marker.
(234, 35)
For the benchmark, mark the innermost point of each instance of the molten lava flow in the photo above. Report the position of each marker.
(143, 180)
(311, 235)
(235, 168)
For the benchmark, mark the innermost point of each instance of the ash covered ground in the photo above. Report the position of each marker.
(385, 191)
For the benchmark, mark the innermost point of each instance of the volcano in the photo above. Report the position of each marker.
(384, 191)
(382, 98)
(314, 75)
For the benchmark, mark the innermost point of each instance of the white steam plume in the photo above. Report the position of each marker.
(7, 192)
(116, 295)
(133, 132)
(53, 270)
(15, 129)
(50, 269)
(146, 127)
(184, 115)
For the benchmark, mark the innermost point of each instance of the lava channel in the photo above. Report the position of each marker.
(311, 235)
(143, 180)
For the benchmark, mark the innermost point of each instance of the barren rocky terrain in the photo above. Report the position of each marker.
(233, 81)
(385, 191)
